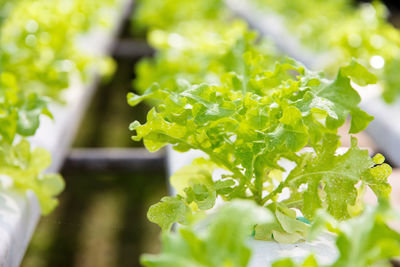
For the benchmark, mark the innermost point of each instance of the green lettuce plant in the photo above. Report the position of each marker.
(246, 127)
(268, 128)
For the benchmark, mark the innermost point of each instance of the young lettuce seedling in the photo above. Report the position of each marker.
(366, 240)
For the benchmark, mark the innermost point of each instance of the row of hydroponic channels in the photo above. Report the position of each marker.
(217, 88)
(267, 128)
(51, 53)
(39, 54)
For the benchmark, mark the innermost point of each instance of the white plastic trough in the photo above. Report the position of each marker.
(19, 211)
(266, 252)
(385, 129)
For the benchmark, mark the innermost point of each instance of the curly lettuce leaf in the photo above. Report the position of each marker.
(196, 191)
(331, 180)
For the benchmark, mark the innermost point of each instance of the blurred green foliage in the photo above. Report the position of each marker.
(39, 57)
(346, 30)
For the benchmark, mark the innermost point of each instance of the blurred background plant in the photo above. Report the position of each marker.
(101, 219)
